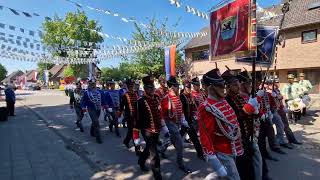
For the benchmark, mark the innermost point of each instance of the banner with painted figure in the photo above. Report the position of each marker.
(266, 41)
(229, 27)
(170, 61)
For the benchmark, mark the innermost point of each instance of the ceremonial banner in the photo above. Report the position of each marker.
(229, 28)
(173, 60)
(170, 61)
(266, 37)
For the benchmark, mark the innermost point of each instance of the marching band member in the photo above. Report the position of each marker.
(128, 106)
(75, 99)
(189, 109)
(92, 102)
(172, 113)
(162, 91)
(114, 104)
(150, 123)
(306, 87)
(247, 121)
(219, 129)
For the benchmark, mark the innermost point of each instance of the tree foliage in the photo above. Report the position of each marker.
(3, 72)
(151, 61)
(68, 72)
(42, 67)
(60, 33)
(125, 70)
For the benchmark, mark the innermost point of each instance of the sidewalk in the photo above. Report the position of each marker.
(30, 151)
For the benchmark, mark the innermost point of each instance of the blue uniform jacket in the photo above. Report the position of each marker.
(87, 103)
(113, 98)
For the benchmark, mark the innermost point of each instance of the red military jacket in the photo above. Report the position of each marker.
(198, 97)
(171, 108)
(161, 92)
(128, 104)
(212, 137)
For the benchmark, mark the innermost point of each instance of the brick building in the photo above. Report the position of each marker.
(298, 52)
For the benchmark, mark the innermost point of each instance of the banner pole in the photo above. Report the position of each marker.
(285, 9)
(253, 21)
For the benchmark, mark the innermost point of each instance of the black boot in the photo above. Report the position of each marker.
(99, 141)
(92, 131)
(110, 128)
(143, 167)
(79, 125)
(157, 174)
(184, 169)
(138, 151)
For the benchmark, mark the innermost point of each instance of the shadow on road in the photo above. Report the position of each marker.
(117, 162)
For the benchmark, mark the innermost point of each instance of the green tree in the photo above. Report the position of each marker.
(152, 60)
(3, 72)
(60, 33)
(68, 71)
(42, 67)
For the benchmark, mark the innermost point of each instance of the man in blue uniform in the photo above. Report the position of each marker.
(92, 102)
(114, 103)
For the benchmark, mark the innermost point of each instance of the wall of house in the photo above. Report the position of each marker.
(295, 54)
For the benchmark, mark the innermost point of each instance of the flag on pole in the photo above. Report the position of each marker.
(170, 61)
(229, 27)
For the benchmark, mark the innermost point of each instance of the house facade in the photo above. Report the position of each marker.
(299, 50)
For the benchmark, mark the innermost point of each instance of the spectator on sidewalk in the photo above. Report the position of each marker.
(10, 99)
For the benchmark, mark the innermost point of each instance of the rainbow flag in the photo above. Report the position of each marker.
(170, 61)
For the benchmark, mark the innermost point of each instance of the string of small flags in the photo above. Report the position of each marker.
(77, 43)
(106, 35)
(266, 15)
(133, 20)
(189, 9)
(20, 12)
(76, 57)
(109, 13)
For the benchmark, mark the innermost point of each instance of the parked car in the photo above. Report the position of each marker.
(32, 86)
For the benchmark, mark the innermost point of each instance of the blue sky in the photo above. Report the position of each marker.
(140, 9)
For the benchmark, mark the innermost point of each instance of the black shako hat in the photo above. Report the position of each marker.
(244, 77)
(195, 81)
(111, 81)
(229, 76)
(259, 76)
(172, 82)
(213, 77)
(187, 84)
(129, 82)
(148, 81)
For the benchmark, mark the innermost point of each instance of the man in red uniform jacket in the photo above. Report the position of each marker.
(162, 91)
(128, 106)
(150, 123)
(173, 115)
(219, 129)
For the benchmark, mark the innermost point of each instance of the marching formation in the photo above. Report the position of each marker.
(228, 127)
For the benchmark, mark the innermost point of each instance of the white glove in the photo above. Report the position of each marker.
(260, 93)
(217, 166)
(273, 94)
(136, 141)
(110, 110)
(253, 102)
(184, 123)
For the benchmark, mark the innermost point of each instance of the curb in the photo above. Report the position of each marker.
(69, 143)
